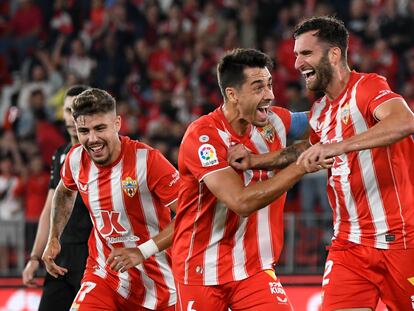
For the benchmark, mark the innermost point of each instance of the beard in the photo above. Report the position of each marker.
(323, 73)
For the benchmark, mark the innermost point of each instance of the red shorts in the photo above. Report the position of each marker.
(260, 292)
(95, 293)
(358, 276)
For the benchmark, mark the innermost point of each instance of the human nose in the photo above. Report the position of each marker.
(269, 94)
(92, 137)
(298, 62)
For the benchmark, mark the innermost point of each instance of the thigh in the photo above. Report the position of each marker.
(397, 288)
(57, 294)
(200, 298)
(260, 292)
(94, 294)
(348, 281)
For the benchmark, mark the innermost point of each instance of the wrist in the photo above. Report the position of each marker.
(148, 248)
(34, 258)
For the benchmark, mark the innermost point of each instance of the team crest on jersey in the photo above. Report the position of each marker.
(267, 132)
(207, 154)
(411, 280)
(345, 113)
(130, 186)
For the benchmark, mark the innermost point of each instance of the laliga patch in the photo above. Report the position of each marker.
(207, 154)
(204, 138)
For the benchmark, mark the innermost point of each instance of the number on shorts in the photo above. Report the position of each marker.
(190, 306)
(328, 269)
(86, 287)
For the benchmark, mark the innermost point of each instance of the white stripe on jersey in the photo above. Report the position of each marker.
(211, 254)
(152, 223)
(194, 231)
(279, 126)
(365, 160)
(262, 221)
(124, 286)
(259, 142)
(316, 113)
(239, 254)
(93, 197)
(74, 164)
(355, 231)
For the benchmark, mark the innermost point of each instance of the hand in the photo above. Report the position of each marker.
(320, 154)
(122, 259)
(51, 251)
(29, 273)
(239, 157)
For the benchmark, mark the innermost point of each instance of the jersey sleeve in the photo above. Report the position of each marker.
(285, 115)
(313, 137)
(203, 151)
(163, 178)
(374, 91)
(66, 173)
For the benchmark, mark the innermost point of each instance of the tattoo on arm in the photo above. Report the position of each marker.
(289, 155)
(62, 206)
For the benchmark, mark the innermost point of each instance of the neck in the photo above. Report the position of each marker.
(74, 140)
(339, 81)
(232, 115)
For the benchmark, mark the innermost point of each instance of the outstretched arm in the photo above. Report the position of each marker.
(241, 159)
(39, 243)
(122, 259)
(227, 187)
(62, 205)
(396, 121)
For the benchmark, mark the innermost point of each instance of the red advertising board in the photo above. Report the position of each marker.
(303, 298)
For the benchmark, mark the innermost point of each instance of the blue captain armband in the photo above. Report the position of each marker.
(298, 126)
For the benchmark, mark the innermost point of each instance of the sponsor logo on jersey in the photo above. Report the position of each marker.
(122, 239)
(83, 187)
(267, 132)
(345, 113)
(204, 138)
(130, 186)
(175, 177)
(277, 289)
(207, 154)
(382, 93)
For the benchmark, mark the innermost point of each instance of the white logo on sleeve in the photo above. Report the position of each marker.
(207, 154)
(203, 138)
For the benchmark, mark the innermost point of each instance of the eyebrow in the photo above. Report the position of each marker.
(261, 81)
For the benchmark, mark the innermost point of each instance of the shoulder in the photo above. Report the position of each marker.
(203, 126)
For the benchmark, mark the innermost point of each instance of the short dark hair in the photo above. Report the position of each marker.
(76, 89)
(231, 66)
(329, 29)
(93, 101)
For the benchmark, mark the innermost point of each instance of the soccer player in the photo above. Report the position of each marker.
(366, 128)
(229, 224)
(58, 293)
(127, 187)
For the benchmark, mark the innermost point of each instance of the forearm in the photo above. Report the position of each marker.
(43, 228)
(164, 239)
(384, 133)
(258, 195)
(62, 206)
(278, 159)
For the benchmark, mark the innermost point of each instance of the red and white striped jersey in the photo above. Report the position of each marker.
(212, 244)
(371, 191)
(128, 202)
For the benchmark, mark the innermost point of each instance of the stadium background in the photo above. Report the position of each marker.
(158, 59)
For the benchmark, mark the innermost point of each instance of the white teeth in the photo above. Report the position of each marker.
(307, 71)
(263, 107)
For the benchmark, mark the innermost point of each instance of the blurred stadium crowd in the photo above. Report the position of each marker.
(158, 58)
